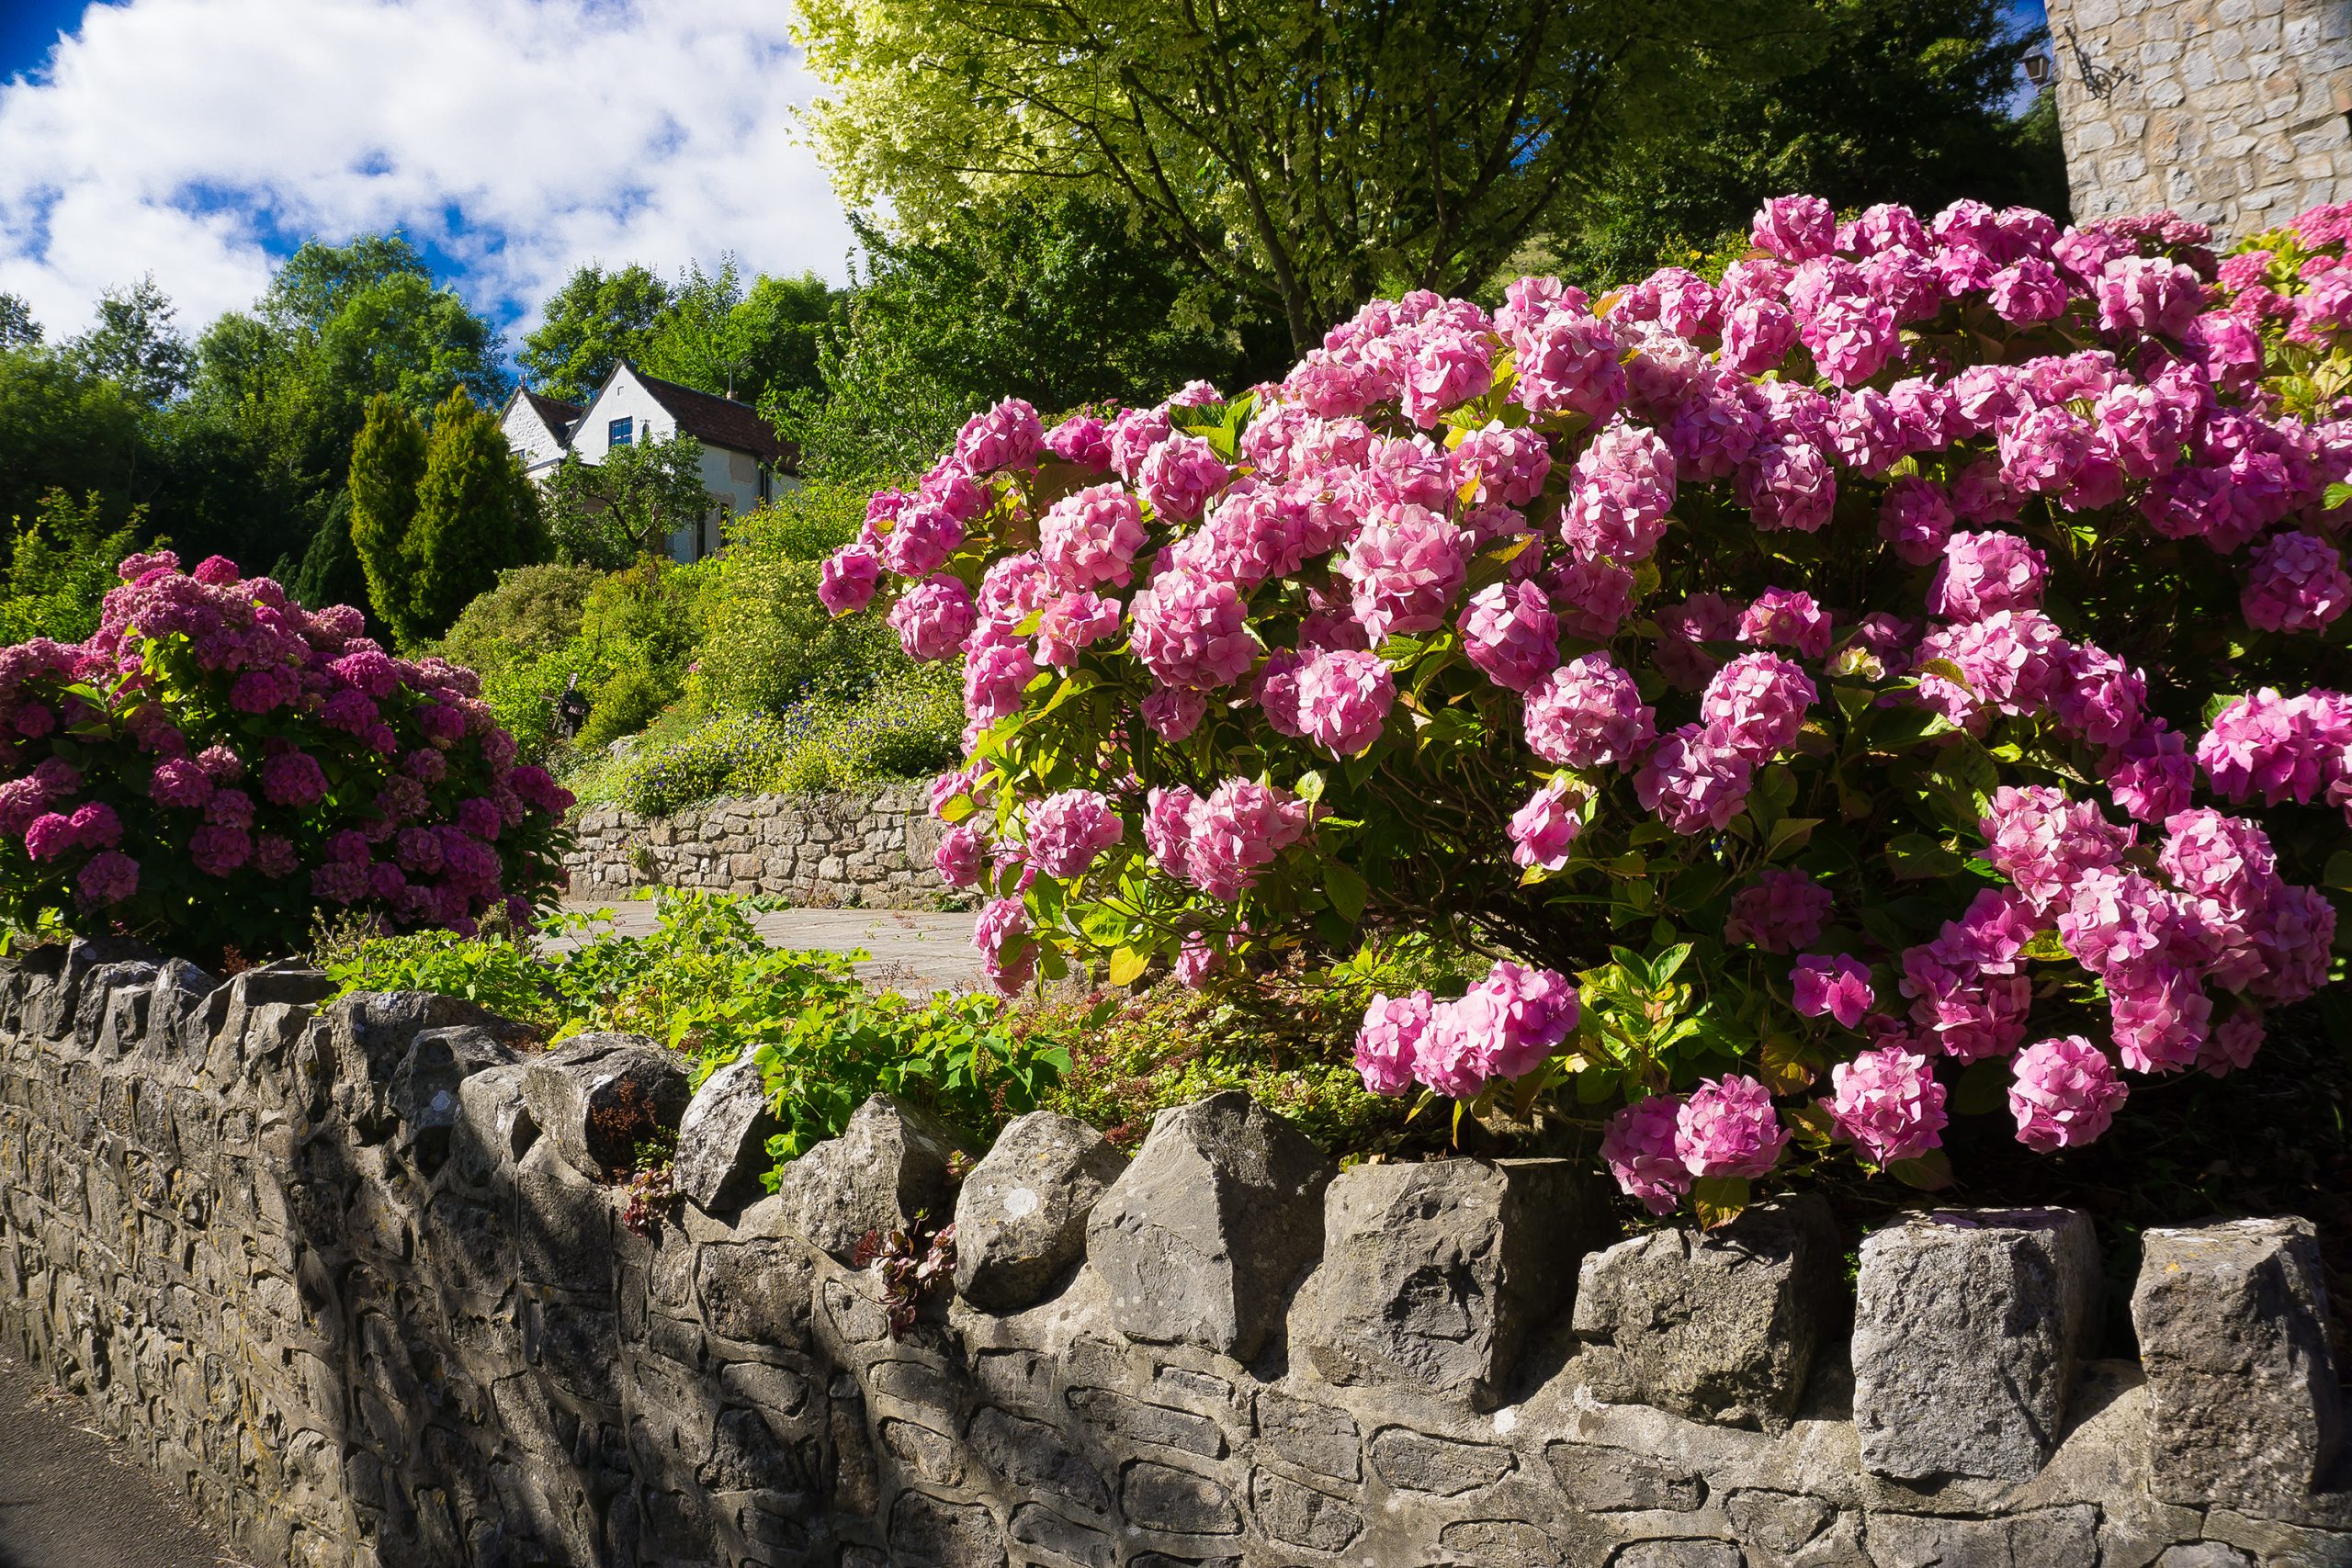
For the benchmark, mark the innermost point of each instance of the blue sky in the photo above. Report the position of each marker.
(511, 139)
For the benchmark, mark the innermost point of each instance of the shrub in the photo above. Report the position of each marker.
(1845, 695)
(705, 983)
(215, 764)
(766, 643)
(807, 521)
(519, 638)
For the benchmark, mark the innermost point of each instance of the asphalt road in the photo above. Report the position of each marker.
(69, 1499)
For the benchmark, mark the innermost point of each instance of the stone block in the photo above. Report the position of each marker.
(723, 1138)
(1718, 1326)
(889, 1166)
(426, 1087)
(1021, 1217)
(1202, 1239)
(1434, 1274)
(2244, 1406)
(600, 1097)
(1968, 1329)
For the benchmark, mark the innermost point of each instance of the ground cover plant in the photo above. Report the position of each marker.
(214, 764)
(706, 984)
(1889, 681)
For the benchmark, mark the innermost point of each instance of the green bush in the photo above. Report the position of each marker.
(766, 643)
(706, 984)
(808, 521)
(624, 705)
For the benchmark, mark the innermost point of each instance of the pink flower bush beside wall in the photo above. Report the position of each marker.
(1929, 634)
(217, 764)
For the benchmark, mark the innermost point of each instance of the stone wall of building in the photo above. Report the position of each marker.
(2232, 112)
(355, 1278)
(867, 848)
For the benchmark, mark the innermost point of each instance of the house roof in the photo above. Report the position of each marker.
(720, 421)
(555, 413)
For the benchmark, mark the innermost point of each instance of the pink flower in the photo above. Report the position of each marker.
(1727, 1129)
(1916, 517)
(1543, 830)
(1503, 1027)
(1782, 910)
(1495, 464)
(2044, 843)
(1443, 369)
(1068, 831)
(1694, 779)
(1389, 1044)
(1173, 714)
(1192, 632)
(1179, 476)
(1404, 569)
(49, 836)
(934, 618)
(1236, 832)
(1008, 953)
(1755, 705)
(2027, 292)
(1783, 618)
(217, 850)
(1007, 436)
(1343, 699)
(846, 580)
(95, 826)
(2147, 295)
(1589, 714)
(1795, 228)
(110, 877)
(2065, 1094)
(1567, 362)
(1620, 494)
(1091, 536)
(2279, 748)
(994, 678)
(2296, 583)
(1888, 1102)
(921, 537)
(273, 856)
(1593, 597)
(1511, 633)
(1787, 484)
(2233, 1046)
(2159, 1014)
(1082, 440)
(1166, 827)
(1072, 622)
(1983, 573)
(1757, 335)
(1638, 1145)
(961, 854)
(1833, 985)
(293, 778)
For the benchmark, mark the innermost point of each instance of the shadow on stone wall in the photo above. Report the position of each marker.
(356, 1280)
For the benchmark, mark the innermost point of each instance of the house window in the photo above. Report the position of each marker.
(619, 432)
(767, 483)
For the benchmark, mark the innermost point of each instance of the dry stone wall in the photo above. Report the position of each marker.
(2232, 112)
(354, 1276)
(867, 848)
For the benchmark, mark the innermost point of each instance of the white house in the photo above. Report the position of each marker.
(744, 462)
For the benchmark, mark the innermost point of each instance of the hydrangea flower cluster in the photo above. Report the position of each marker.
(1915, 627)
(215, 763)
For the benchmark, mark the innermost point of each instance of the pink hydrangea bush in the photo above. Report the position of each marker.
(216, 764)
(1818, 683)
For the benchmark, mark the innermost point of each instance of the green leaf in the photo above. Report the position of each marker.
(1127, 965)
(1915, 855)
(2339, 870)
(1982, 1087)
(1789, 835)
(1932, 1172)
(1719, 1199)
(1347, 890)
(2047, 948)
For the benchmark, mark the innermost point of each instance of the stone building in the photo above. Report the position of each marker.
(2232, 112)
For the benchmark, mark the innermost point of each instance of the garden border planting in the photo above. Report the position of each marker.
(358, 1277)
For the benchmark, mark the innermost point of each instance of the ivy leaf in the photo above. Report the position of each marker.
(1932, 1172)
(1719, 1200)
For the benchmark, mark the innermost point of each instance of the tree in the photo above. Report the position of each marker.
(61, 428)
(59, 567)
(135, 343)
(1056, 300)
(18, 327)
(477, 515)
(596, 320)
(331, 573)
(608, 514)
(751, 347)
(386, 465)
(1908, 102)
(1299, 154)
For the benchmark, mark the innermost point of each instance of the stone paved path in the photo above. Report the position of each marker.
(910, 950)
(69, 1499)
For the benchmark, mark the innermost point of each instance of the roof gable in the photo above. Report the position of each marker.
(717, 421)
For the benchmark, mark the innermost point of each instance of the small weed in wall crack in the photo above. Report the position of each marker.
(911, 1272)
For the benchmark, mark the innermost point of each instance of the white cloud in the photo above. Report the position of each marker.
(522, 137)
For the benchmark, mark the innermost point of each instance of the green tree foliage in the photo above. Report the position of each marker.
(18, 327)
(331, 573)
(135, 343)
(476, 515)
(1297, 153)
(386, 465)
(596, 320)
(1909, 101)
(606, 514)
(61, 428)
(750, 347)
(1062, 301)
(59, 567)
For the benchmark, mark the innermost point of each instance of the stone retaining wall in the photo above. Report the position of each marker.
(353, 1278)
(867, 848)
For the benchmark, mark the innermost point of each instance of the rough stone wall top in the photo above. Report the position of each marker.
(2232, 112)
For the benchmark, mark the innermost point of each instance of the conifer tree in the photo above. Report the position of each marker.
(388, 463)
(476, 515)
